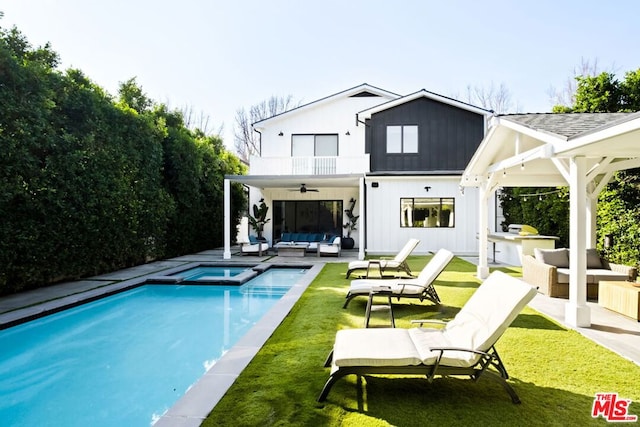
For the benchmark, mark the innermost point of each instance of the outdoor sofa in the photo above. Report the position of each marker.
(312, 239)
(548, 269)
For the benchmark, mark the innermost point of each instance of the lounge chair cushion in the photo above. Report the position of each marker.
(408, 287)
(375, 347)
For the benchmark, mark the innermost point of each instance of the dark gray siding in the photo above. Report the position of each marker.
(447, 137)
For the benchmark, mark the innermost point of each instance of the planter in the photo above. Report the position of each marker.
(347, 243)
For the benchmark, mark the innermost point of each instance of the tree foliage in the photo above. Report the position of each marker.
(88, 183)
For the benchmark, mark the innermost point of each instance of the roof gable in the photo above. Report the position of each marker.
(366, 114)
(363, 90)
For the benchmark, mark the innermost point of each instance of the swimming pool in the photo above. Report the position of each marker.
(114, 362)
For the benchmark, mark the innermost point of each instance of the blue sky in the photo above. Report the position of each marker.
(216, 56)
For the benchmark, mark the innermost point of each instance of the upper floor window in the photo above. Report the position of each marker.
(402, 139)
(314, 145)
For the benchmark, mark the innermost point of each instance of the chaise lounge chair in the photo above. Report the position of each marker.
(398, 263)
(420, 287)
(465, 346)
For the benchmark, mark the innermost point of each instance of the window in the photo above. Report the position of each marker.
(402, 139)
(314, 145)
(435, 212)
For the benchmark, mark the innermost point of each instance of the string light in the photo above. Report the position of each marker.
(539, 195)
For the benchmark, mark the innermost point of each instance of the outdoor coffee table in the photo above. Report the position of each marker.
(621, 297)
(292, 249)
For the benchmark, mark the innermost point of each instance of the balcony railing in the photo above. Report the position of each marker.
(325, 165)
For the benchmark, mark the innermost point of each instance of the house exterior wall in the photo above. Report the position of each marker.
(386, 236)
(331, 117)
(447, 137)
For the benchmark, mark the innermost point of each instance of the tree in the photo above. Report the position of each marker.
(496, 99)
(246, 141)
(565, 96)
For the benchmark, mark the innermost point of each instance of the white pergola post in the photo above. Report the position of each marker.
(577, 313)
(591, 218)
(483, 231)
(227, 220)
(363, 224)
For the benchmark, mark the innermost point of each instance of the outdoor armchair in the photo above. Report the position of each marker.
(420, 287)
(465, 346)
(398, 263)
(331, 247)
(254, 246)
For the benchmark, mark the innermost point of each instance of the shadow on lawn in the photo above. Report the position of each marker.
(455, 401)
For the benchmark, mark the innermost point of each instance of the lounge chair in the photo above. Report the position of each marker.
(420, 287)
(465, 346)
(398, 263)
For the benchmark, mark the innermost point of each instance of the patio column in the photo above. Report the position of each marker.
(483, 231)
(227, 220)
(591, 218)
(363, 224)
(577, 313)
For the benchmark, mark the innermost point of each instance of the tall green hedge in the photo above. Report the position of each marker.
(88, 183)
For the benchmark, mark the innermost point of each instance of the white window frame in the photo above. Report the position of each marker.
(402, 139)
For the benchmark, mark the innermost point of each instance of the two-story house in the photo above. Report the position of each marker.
(399, 157)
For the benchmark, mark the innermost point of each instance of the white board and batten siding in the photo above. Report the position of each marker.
(384, 232)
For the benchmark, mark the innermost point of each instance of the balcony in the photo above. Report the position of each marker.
(329, 165)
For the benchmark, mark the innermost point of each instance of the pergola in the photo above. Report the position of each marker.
(578, 150)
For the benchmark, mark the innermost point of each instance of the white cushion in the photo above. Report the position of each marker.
(375, 347)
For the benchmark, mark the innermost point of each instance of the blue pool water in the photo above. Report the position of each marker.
(125, 359)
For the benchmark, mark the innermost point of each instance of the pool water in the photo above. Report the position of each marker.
(124, 360)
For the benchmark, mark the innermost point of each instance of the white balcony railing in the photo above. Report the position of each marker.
(326, 165)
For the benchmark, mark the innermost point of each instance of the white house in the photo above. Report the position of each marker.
(400, 158)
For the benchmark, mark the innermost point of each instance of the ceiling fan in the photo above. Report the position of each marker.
(303, 189)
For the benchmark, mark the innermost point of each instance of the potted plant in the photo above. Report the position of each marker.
(350, 225)
(259, 218)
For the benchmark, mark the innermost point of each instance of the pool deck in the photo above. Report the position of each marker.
(609, 329)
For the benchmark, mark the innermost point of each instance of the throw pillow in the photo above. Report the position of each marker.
(557, 257)
(593, 259)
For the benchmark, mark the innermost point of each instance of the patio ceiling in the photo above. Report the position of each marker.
(294, 181)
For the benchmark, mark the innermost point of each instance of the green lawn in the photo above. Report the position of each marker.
(555, 371)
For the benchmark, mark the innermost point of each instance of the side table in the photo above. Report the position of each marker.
(383, 291)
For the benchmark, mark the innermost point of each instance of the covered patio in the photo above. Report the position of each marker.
(578, 150)
(287, 187)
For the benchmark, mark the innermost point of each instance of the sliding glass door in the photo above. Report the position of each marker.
(308, 216)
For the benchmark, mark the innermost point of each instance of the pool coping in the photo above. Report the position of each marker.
(196, 404)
